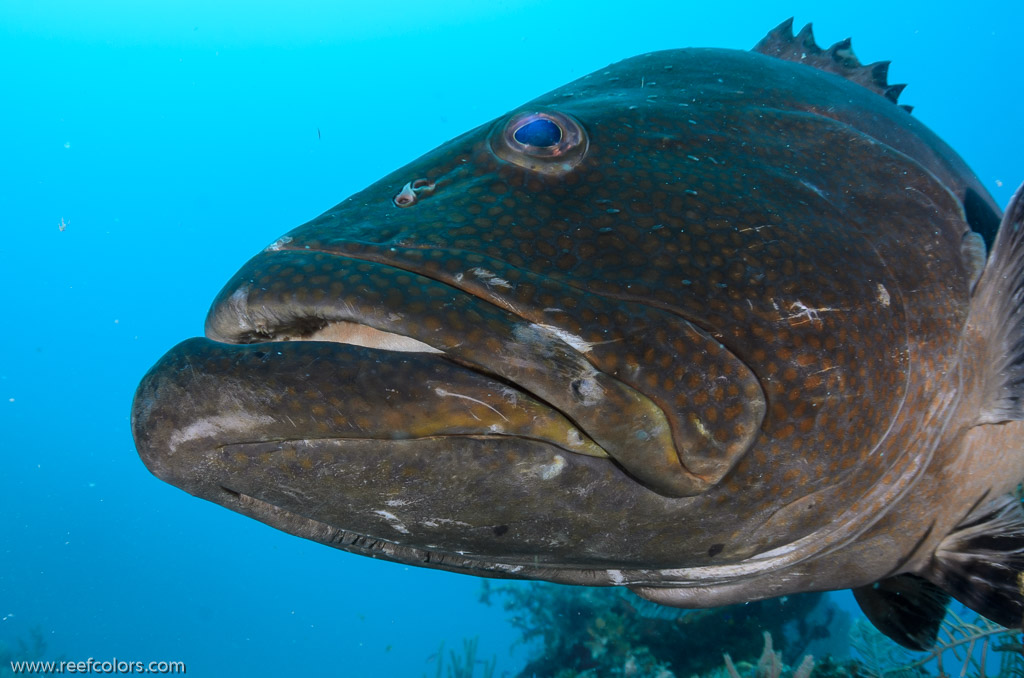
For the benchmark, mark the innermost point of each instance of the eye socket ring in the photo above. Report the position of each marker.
(543, 141)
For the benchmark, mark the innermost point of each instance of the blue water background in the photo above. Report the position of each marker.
(174, 141)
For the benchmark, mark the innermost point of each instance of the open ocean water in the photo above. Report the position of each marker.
(148, 149)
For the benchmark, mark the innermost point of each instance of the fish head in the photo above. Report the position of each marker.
(565, 344)
(482, 343)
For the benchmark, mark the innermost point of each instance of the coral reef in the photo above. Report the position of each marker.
(463, 665)
(583, 632)
(964, 649)
(591, 633)
(770, 664)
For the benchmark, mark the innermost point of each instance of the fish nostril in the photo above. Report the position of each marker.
(411, 192)
(405, 197)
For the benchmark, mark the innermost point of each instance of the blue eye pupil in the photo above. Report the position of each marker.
(540, 133)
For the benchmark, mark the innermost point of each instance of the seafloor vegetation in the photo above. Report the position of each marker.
(591, 633)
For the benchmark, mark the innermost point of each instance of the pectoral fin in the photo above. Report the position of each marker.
(907, 608)
(981, 563)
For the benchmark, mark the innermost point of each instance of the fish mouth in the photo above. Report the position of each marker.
(470, 315)
(360, 401)
(384, 412)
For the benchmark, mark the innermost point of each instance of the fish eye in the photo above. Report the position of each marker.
(540, 132)
(549, 142)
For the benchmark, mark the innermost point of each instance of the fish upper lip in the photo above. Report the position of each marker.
(236, 318)
(264, 325)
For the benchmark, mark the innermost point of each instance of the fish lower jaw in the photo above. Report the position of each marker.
(386, 549)
(688, 588)
(355, 542)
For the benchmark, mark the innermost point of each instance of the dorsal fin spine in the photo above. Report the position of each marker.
(838, 59)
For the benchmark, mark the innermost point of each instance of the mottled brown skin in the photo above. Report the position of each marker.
(767, 387)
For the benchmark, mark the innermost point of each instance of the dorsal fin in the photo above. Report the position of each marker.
(838, 59)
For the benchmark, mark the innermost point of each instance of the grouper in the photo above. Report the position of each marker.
(710, 324)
